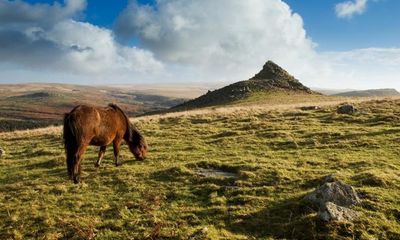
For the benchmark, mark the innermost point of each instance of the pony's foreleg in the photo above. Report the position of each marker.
(101, 155)
(77, 164)
(116, 144)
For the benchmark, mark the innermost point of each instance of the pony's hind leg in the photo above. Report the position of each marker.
(77, 164)
(101, 155)
(116, 144)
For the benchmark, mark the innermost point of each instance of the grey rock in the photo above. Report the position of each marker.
(307, 108)
(336, 192)
(199, 234)
(330, 178)
(333, 212)
(346, 109)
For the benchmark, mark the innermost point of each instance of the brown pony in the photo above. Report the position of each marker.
(86, 125)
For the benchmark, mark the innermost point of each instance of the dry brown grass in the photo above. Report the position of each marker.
(258, 108)
(52, 130)
(227, 110)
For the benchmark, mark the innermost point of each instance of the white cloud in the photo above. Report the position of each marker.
(220, 40)
(93, 50)
(350, 8)
(64, 45)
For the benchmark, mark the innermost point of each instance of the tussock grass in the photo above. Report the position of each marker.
(276, 155)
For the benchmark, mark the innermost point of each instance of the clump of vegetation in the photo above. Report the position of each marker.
(273, 157)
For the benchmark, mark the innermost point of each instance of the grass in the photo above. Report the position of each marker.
(274, 157)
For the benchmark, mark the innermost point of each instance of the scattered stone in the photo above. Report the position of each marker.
(199, 234)
(308, 108)
(2, 152)
(212, 172)
(333, 198)
(333, 212)
(346, 109)
(330, 178)
(336, 192)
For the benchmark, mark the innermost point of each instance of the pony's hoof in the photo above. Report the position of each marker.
(77, 179)
(117, 164)
(97, 165)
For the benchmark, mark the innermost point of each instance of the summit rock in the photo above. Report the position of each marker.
(272, 70)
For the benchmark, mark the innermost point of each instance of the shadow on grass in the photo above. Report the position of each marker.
(288, 219)
(50, 164)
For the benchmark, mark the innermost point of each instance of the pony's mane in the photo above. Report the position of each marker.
(129, 126)
(115, 107)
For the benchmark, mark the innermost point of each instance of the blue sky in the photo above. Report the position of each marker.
(377, 27)
(324, 43)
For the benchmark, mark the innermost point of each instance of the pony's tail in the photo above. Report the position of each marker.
(70, 143)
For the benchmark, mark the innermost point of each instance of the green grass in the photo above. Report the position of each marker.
(275, 158)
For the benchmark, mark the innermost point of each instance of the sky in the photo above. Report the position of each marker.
(325, 44)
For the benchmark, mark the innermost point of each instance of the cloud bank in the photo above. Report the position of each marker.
(42, 37)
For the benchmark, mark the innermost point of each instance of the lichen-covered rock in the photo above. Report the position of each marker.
(333, 212)
(346, 109)
(336, 192)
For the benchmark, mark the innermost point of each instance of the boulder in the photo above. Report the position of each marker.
(333, 212)
(333, 198)
(336, 192)
(346, 109)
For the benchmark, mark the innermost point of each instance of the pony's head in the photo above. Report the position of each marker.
(136, 142)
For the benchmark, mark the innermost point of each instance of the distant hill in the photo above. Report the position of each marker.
(331, 91)
(272, 78)
(385, 92)
(24, 106)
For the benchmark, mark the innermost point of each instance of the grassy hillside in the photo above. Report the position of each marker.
(385, 92)
(237, 173)
(25, 106)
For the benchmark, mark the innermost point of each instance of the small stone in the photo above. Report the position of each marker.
(346, 109)
(307, 108)
(336, 192)
(330, 178)
(333, 212)
(199, 234)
